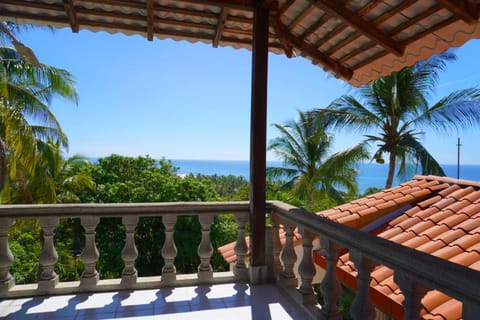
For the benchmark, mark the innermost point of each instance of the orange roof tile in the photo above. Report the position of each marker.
(444, 221)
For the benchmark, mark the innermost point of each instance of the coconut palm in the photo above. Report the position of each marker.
(304, 147)
(26, 91)
(396, 109)
(55, 179)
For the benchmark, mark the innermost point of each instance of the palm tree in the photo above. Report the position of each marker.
(396, 108)
(55, 179)
(304, 147)
(25, 93)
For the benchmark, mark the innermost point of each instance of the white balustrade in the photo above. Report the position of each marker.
(331, 289)
(241, 249)
(6, 257)
(48, 278)
(366, 251)
(306, 269)
(129, 252)
(362, 307)
(413, 293)
(169, 250)
(205, 250)
(90, 253)
(289, 257)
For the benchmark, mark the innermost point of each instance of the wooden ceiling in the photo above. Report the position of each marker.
(355, 40)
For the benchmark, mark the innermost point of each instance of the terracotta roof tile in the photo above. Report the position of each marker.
(450, 189)
(351, 220)
(442, 203)
(431, 246)
(398, 220)
(451, 309)
(437, 232)
(421, 227)
(460, 193)
(448, 235)
(467, 242)
(404, 200)
(469, 225)
(428, 202)
(473, 196)
(470, 210)
(446, 224)
(408, 223)
(453, 220)
(448, 252)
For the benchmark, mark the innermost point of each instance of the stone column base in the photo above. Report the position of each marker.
(47, 285)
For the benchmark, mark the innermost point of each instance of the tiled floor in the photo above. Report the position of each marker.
(226, 301)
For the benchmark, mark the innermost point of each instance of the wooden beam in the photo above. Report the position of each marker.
(222, 19)
(69, 6)
(356, 22)
(330, 64)
(232, 4)
(300, 17)
(279, 29)
(464, 9)
(258, 137)
(150, 19)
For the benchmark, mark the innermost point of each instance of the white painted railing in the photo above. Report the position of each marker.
(366, 251)
(415, 272)
(90, 214)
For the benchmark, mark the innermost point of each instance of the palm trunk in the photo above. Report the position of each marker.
(391, 169)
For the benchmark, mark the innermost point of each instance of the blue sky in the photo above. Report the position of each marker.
(190, 101)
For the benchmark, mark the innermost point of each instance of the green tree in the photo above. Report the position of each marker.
(304, 147)
(26, 90)
(396, 109)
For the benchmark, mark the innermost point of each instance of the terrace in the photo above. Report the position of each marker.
(357, 41)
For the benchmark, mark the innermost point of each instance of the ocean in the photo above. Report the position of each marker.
(370, 174)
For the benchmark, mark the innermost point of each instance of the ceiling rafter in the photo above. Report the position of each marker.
(314, 27)
(362, 25)
(280, 32)
(222, 19)
(232, 4)
(285, 7)
(69, 6)
(150, 19)
(463, 9)
(300, 17)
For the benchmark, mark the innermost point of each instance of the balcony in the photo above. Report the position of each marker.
(240, 294)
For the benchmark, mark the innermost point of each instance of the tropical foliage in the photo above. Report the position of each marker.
(394, 110)
(309, 167)
(26, 121)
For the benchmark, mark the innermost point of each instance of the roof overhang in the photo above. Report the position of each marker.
(358, 41)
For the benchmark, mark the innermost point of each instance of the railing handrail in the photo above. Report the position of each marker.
(119, 209)
(455, 280)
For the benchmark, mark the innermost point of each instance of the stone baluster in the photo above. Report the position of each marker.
(241, 249)
(277, 245)
(289, 257)
(129, 252)
(362, 306)
(306, 269)
(169, 250)
(48, 278)
(413, 292)
(331, 289)
(205, 249)
(6, 256)
(90, 253)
